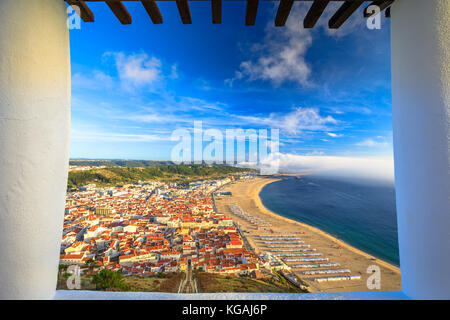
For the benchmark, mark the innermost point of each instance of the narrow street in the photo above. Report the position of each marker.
(188, 285)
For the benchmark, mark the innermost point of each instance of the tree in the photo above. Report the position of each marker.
(62, 268)
(90, 264)
(107, 279)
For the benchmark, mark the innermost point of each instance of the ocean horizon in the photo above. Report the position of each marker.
(360, 213)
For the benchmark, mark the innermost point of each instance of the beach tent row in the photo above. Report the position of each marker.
(282, 242)
(318, 265)
(297, 254)
(292, 250)
(276, 235)
(325, 279)
(287, 245)
(304, 259)
(328, 271)
(286, 248)
(237, 210)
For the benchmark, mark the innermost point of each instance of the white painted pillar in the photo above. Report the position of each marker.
(34, 144)
(420, 44)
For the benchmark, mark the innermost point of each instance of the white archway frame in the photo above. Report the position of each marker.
(34, 151)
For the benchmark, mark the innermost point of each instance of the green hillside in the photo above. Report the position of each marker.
(176, 173)
(119, 163)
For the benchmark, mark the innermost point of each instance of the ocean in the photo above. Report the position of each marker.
(361, 213)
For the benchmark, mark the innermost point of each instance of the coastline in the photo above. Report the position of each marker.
(259, 203)
(246, 195)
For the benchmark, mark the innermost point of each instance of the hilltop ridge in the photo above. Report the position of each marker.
(163, 172)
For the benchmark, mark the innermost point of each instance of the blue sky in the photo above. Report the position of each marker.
(327, 91)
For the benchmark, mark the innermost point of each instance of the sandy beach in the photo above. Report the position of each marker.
(246, 195)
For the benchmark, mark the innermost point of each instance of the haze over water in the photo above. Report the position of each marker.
(359, 213)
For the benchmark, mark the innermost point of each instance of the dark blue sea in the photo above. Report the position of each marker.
(361, 213)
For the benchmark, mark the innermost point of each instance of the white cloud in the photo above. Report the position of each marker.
(298, 120)
(174, 72)
(134, 71)
(153, 117)
(191, 103)
(281, 55)
(173, 110)
(145, 118)
(372, 143)
(377, 168)
(137, 69)
(85, 136)
(96, 81)
(315, 153)
(273, 146)
(203, 84)
(334, 135)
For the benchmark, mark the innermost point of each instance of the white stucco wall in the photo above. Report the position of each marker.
(34, 144)
(420, 46)
(99, 295)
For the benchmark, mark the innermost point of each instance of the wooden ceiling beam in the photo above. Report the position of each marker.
(85, 13)
(120, 11)
(185, 12)
(284, 9)
(314, 13)
(216, 8)
(343, 13)
(283, 12)
(388, 12)
(250, 12)
(383, 4)
(153, 11)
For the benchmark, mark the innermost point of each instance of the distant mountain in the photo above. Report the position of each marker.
(163, 172)
(119, 163)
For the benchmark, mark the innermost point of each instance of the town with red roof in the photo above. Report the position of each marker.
(152, 227)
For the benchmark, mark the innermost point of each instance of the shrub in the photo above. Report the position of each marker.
(107, 279)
